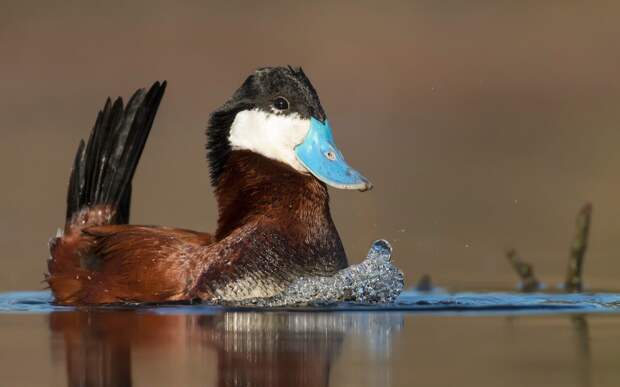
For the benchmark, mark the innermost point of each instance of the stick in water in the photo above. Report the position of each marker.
(574, 281)
(524, 270)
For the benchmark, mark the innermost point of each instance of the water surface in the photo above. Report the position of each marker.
(438, 339)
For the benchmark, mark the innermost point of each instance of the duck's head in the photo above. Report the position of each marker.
(277, 113)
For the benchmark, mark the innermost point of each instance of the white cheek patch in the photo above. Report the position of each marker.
(272, 135)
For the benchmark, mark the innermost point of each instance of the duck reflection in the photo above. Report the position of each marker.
(252, 349)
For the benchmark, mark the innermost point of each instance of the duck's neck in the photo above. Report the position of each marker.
(252, 187)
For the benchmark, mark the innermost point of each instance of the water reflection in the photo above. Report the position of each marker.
(252, 349)
(584, 354)
(582, 366)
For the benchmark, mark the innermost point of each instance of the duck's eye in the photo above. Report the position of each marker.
(280, 103)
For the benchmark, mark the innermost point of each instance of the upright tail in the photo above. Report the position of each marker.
(100, 183)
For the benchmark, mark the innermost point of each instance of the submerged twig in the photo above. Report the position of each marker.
(574, 281)
(524, 270)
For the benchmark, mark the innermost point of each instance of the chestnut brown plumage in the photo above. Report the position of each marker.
(274, 225)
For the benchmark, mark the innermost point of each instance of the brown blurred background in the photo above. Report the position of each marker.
(483, 125)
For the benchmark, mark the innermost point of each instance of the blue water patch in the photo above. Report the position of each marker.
(469, 303)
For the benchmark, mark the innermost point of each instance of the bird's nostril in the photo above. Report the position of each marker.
(330, 155)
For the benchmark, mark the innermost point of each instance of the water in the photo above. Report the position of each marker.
(425, 339)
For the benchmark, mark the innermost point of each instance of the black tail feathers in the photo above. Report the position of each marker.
(104, 167)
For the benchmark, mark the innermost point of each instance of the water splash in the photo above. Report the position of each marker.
(376, 280)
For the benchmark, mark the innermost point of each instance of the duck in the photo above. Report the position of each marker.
(271, 155)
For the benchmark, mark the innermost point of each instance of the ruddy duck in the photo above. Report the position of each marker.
(271, 154)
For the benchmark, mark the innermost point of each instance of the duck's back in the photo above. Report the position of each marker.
(124, 263)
